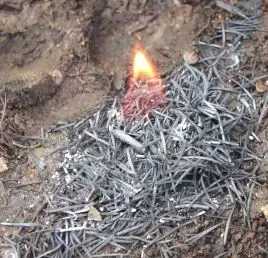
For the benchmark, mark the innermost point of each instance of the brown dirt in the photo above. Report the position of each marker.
(59, 58)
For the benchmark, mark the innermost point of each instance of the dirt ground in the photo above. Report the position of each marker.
(59, 58)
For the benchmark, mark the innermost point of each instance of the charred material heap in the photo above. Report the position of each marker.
(145, 178)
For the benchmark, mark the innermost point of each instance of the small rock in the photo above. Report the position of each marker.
(3, 164)
(190, 57)
(119, 80)
(56, 76)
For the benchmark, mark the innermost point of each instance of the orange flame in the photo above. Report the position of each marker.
(143, 67)
(145, 89)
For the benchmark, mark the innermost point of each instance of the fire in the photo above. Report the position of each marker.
(143, 67)
(145, 88)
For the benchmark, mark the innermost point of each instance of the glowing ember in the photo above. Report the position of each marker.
(145, 88)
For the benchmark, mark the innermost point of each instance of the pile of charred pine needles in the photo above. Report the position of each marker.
(138, 182)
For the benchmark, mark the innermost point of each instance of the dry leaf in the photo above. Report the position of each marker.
(94, 214)
(264, 210)
(261, 86)
(190, 57)
(3, 165)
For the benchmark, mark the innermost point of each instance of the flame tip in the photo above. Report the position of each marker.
(143, 67)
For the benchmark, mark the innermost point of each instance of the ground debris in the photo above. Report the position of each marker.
(14, 4)
(190, 57)
(264, 210)
(3, 164)
(8, 252)
(262, 86)
(261, 199)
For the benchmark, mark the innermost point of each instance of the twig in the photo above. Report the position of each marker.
(27, 184)
(4, 103)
